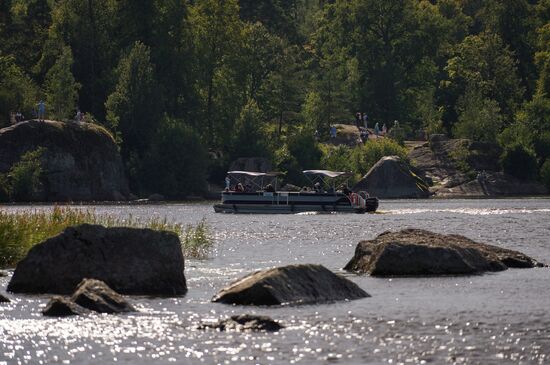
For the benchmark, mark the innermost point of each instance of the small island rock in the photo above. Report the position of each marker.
(129, 260)
(293, 284)
(391, 177)
(245, 322)
(416, 252)
(98, 297)
(59, 306)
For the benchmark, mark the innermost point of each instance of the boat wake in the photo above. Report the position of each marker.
(470, 211)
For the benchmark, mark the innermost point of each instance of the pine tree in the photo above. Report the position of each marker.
(133, 109)
(61, 87)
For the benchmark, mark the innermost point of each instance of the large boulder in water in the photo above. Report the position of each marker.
(391, 177)
(129, 260)
(293, 284)
(416, 252)
(81, 161)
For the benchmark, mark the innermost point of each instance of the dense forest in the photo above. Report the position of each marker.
(186, 86)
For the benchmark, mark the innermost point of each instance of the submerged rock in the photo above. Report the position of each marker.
(293, 284)
(416, 252)
(98, 297)
(245, 322)
(81, 161)
(129, 260)
(59, 306)
(391, 177)
(3, 299)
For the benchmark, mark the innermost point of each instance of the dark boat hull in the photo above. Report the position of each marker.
(290, 203)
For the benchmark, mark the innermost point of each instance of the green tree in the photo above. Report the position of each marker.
(281, 95)
(313, 112)
(89, 28)
(24, 29)
(484, 61)
(133, 109)
(479, 118)
(61, 87)
(176, 163)
(217, 35)
(172, 53)
(545, 173)
(23, 178)
(17, 90)
(519, 161)
(248, 137)
(513, 21)
(542, 57)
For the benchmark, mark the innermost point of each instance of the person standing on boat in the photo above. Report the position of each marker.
(227, 183)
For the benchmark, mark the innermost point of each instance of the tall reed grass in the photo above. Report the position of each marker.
(20, 231)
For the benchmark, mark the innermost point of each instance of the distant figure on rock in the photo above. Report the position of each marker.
(78, 116)
(18, 117)
(365, 120)
(316, 135)
(384, 129)
(358, 118)
(332, 132)
(364, 134)
(376, 129)
(41, 110)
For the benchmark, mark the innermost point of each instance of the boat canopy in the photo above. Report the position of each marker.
(253, 181)
(254, 174)
(326, 173)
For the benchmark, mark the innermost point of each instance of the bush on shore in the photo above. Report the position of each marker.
(22, 182)
(520, 162)
(20, 231)
(362, 158)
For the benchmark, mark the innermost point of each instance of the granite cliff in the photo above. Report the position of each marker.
(81, 161)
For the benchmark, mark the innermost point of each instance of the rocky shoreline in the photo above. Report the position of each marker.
(81, 163)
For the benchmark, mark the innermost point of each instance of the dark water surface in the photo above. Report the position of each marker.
(495, 318)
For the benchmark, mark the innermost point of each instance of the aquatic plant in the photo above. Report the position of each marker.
(20, 231)
(197, 240)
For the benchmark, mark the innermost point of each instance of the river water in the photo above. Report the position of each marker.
(495, 318)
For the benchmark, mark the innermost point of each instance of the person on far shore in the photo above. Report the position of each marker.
(41, 110)
(332, 132)
(376, 129)
(358, 119)
(384, 129)
(78, 117)
(365, 120)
